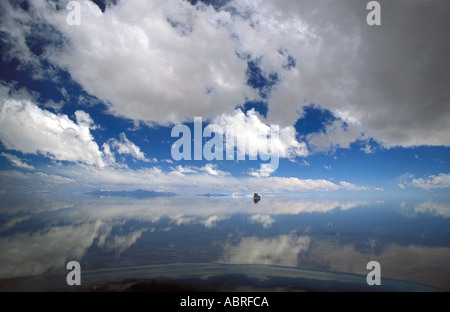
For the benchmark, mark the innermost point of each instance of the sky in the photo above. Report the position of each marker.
(125, 95)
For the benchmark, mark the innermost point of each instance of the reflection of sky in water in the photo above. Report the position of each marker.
(411, 241)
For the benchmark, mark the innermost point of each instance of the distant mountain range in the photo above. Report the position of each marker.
(134, 194)
(213, 195)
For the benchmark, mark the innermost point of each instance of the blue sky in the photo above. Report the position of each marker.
(360, 108)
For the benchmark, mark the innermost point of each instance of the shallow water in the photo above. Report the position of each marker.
(197, 237)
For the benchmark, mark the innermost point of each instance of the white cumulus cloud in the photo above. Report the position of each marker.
(160, 61)
(258, 137)
(31, 130)
(125, 146)
(439, 181)
(168, 61)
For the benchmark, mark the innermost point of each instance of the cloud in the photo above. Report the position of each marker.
(167, 61)
(118, 243)
(212, 170)
(265, 220)
(180, 170)
(24, 254)
(16, 161)
(334, 136)
(14, 181)
(84, 119)
(182, 180)
(160, 62)
(259, 137)
(56, 136)
(405, 179)
(208, 168)
(433, 182)
(368, 149)
(46, 133)
(213, 220)
(181, 210)
(102, 223)
(125, 146)
(379, 80)
(265, 171)
(436, 208)
(401, 262)
(20, 30)
(352, 187)
(281, 250)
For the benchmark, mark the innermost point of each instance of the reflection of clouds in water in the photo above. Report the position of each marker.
(79, 224)
(108, 240)
(32, 253)
(276, 206)
(436, 209)
(92, 220)
(207, 211)
(281, 250)
(13, 222)
(24, 203)
(212, 221)
(120, 243)
(208, 222)
(35, 253)
(265, 220)
(426, 265)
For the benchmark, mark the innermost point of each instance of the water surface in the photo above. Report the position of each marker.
(291, 242)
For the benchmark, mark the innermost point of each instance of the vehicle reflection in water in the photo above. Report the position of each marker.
(305, 237)
(256, 198)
